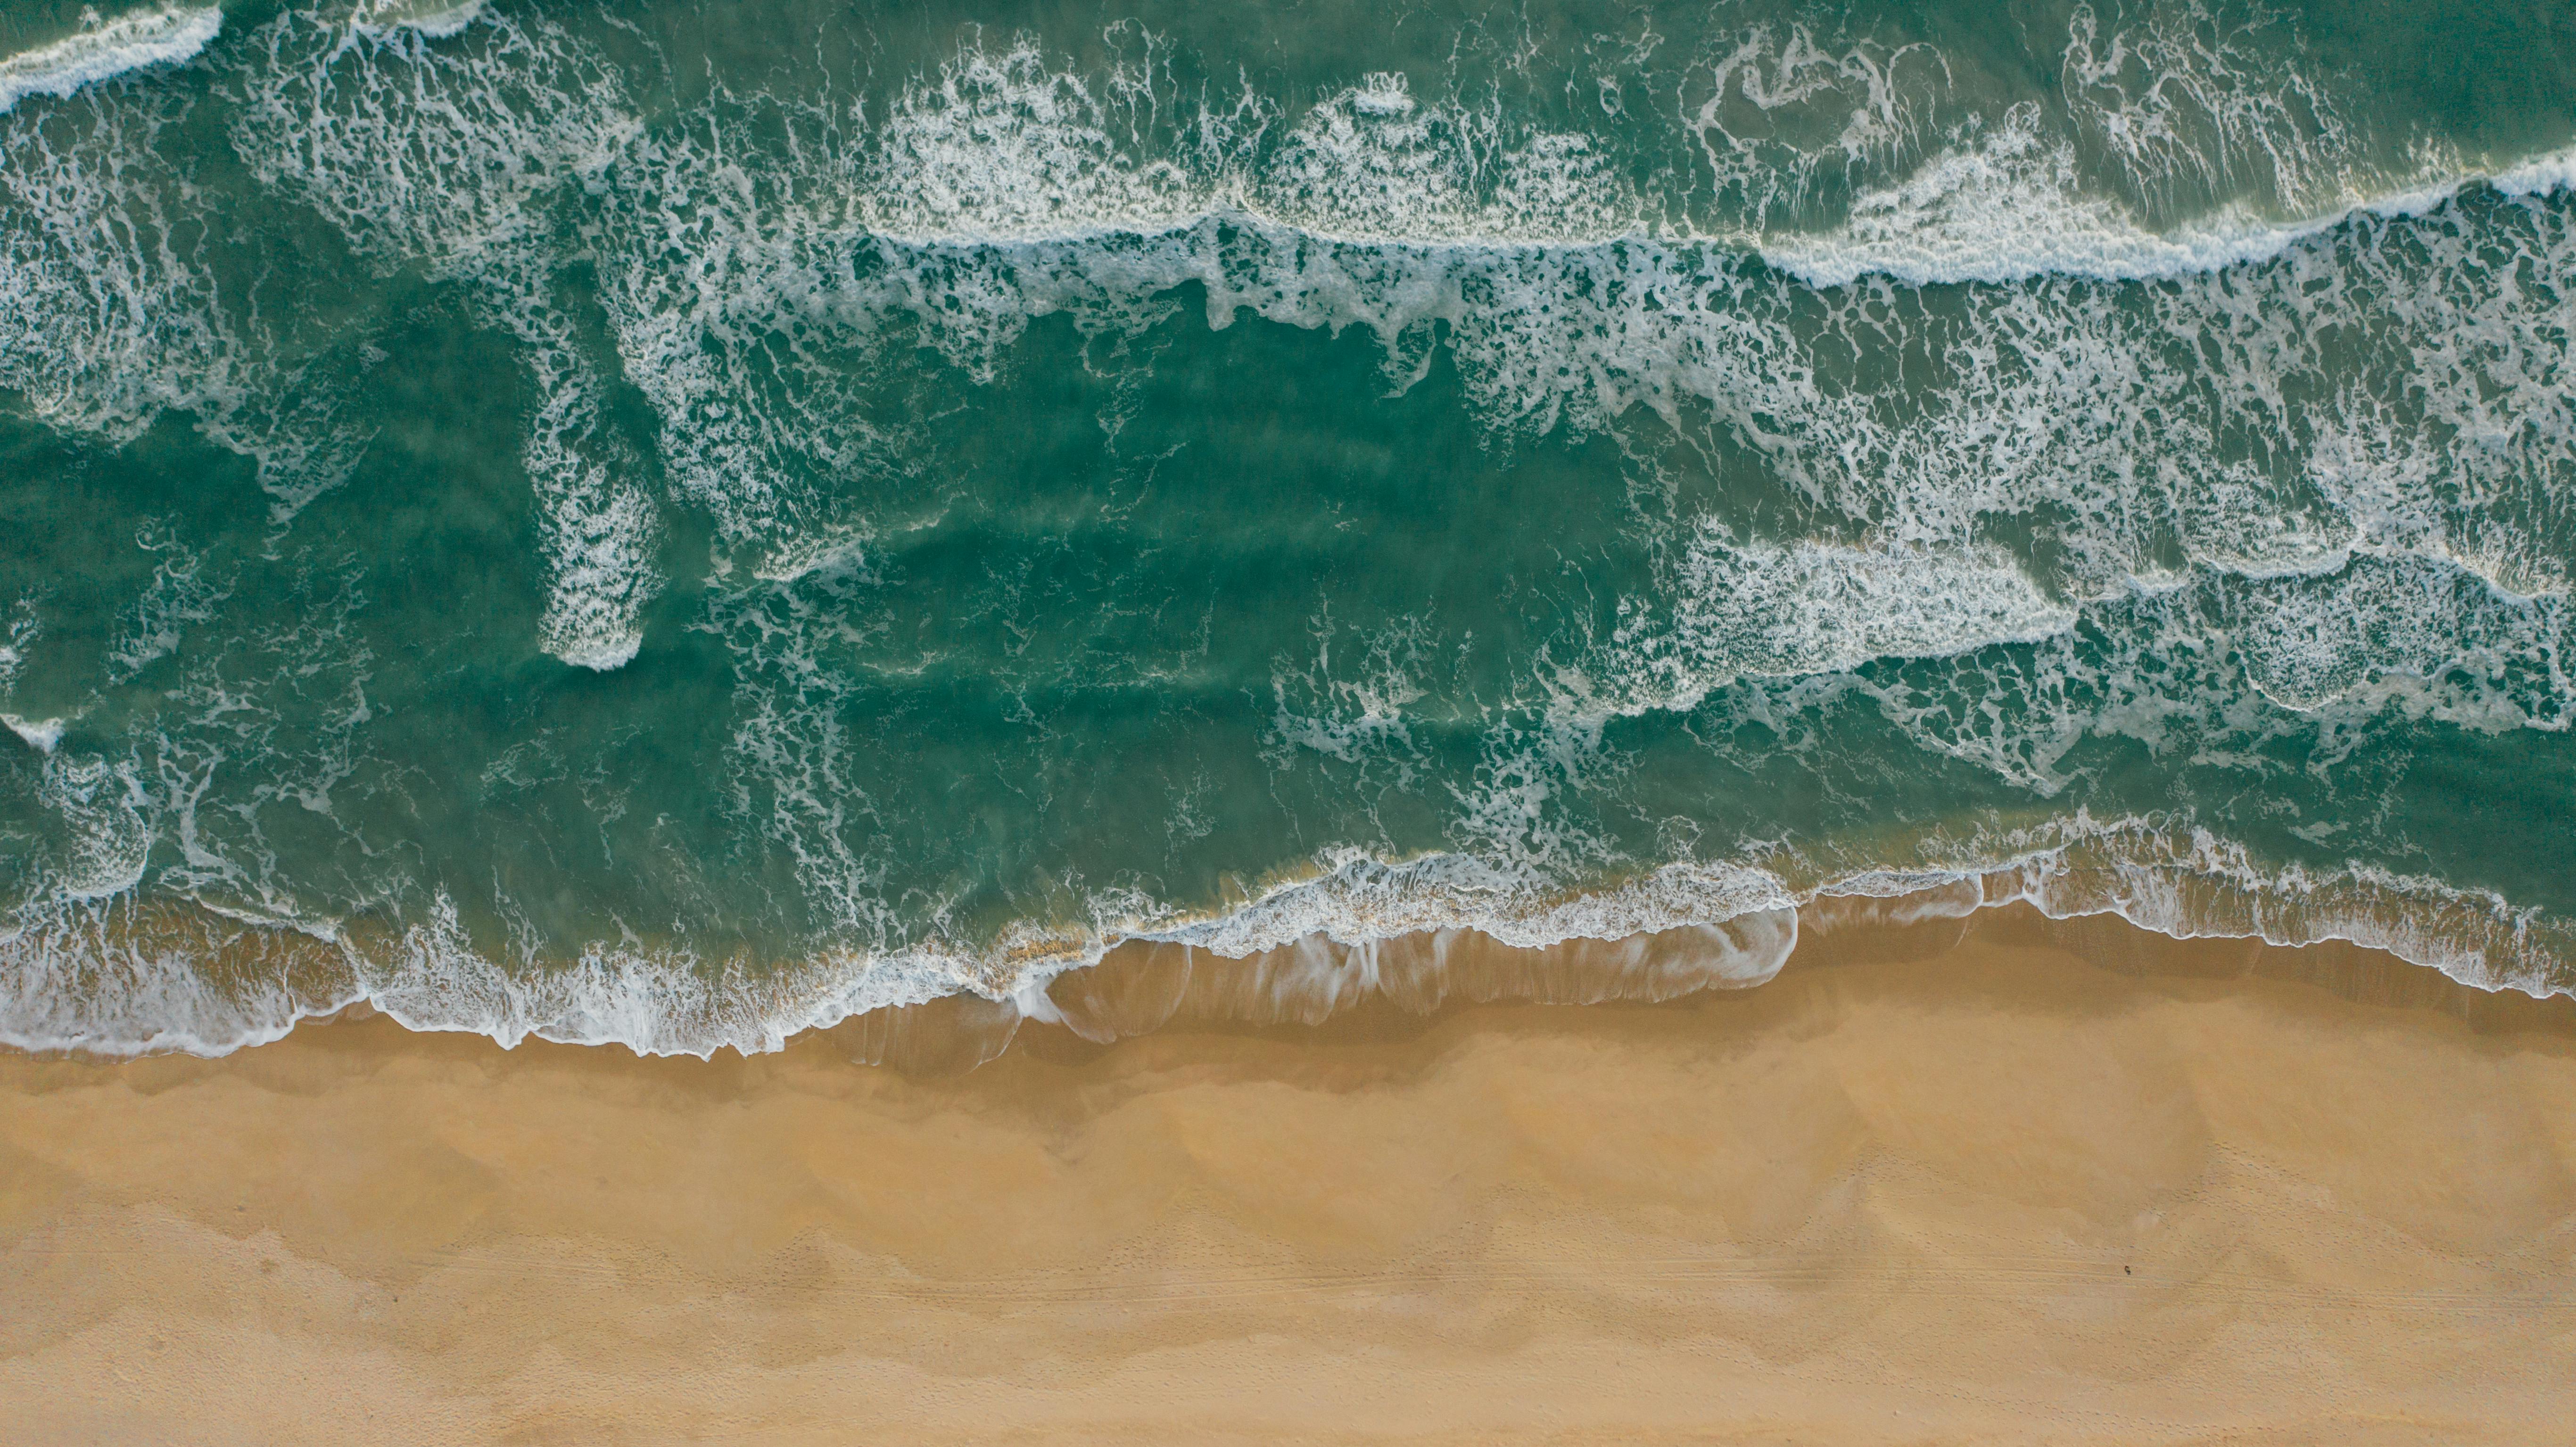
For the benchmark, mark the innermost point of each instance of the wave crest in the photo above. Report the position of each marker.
(115, 978)
(108, 49)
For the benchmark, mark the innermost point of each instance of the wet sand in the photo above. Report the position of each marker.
(2009, 1182)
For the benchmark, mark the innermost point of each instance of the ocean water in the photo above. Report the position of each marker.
(673, 523)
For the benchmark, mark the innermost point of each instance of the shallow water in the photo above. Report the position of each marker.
(675, 524)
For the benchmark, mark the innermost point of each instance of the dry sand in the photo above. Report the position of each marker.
(2040, 1185)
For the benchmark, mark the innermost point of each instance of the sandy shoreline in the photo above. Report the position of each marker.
(2004, 1181)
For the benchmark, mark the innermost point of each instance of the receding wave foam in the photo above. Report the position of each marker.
(110, 48)
(108, 978)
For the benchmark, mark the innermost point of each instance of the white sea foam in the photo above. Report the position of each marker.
(1825, 608)
(42, 735)
(2042, 396)
(999, 190)
(102, 327)
(25, 627)
(132, 41)
(2186, 103)
(2010, 207)
(2481, 657)
(2046, 398)
(180, 596)
(82, 978)
(999, 146)
(2539, 175)
(2220, 669)
(435, 19)
(424, 154)
(2191, 884)
(2204, 99)
(1360, 899)
(1374, 163)
(113, 307)
(1003, 148)
(1376, 206)
(601, 534)
(447, 161)
(657, 1003)
(105, 836)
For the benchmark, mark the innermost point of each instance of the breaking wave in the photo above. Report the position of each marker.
(112, 979)
(106, 49)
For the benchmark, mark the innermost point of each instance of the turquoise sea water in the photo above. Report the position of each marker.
(671, 522)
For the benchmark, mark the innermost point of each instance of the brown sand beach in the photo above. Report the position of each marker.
(2019, 1183)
